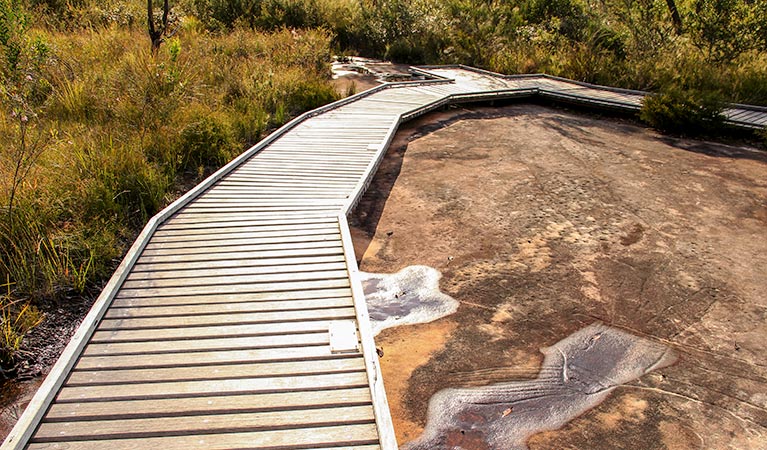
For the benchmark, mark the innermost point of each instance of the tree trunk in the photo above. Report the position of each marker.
(675, 17)
(156, 34)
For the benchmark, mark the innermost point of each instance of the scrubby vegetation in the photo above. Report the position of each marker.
(684, 111)
(99, 133)
(101, 126)
(643, 44)
(700, 53)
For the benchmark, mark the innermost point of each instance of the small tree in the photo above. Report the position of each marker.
(23, 138)
(725, 29)
(676, 18)
(24, 91)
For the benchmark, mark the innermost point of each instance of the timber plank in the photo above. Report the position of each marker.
(302, 182)
(210, 332)
(227, 308)
(240, 233)
(279, 439)
(317, 165)
(253, 239)
(299, 206)
(206, 424)
(250, 288)
(183, 389)
(219, 248)
(225, 319)
(126, 409)
(237, 343)
(278, 155)
(173, 225)
(272, 192)
(213, 299)
(741, 115)
(253, 259)
(216, 372)
(266, 198)
(316, 174)
(273, 268)
(318, 248)
(222, 212)
(295, 185)
(281, 194)
(201, 358)
(216, 280)
(214, 206)
(220, 220)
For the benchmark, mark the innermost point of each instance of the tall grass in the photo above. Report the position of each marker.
(123, 130)
(624, 43)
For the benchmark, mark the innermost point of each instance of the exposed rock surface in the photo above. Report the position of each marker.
(544, 221)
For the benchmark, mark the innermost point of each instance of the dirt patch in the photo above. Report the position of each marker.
(39, 351)
(544, 221)
(353, 83)
(399, 360)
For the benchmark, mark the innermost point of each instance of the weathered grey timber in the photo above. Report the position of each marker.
(561, 89)
(214, 330)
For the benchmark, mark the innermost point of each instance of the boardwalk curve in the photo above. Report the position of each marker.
(237, 319)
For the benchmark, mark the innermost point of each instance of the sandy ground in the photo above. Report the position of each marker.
(544, 221)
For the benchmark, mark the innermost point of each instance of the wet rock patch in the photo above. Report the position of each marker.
(407, 297)
(578, 373)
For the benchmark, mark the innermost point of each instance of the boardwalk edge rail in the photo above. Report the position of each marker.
(384, 425)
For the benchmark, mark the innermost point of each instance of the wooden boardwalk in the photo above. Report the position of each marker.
(747, 117)
(237, 319)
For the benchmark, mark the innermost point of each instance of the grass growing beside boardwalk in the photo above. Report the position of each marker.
(99, 134)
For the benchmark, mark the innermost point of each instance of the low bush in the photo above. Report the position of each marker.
(677, 110)
(204, 141)
(17, 319)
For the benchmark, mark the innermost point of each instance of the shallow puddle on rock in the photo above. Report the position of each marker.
(407, 297)
(578, 373)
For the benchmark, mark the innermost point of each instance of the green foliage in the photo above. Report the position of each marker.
(566, 17)
(725, 29)
(624, 43)
(119, 183)
(17, 318)
(204, 141)
(684, 111)
(129, 127)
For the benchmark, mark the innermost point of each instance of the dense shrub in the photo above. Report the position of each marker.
(204, 141)
(624, 43)
(684, 111)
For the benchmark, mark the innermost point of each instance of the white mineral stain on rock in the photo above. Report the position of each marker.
(578, 373)
(407, 297)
